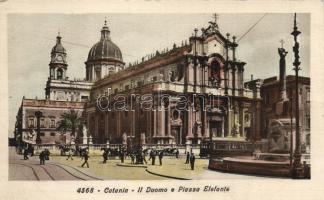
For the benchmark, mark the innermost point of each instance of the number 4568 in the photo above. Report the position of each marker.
(85, 190)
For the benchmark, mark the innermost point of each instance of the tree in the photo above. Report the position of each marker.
(70, 121)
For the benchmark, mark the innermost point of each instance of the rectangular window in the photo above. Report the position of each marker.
(308, 122)
(154, 79)
(52, 124)
(52, 134)
(308, 96)
(31, 122)
(42, 122)
(42, 134)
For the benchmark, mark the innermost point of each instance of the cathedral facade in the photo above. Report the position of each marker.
(185, 95)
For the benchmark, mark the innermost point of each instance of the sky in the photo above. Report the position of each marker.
(32, 36)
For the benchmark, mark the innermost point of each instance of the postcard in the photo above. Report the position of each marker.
(161, 99)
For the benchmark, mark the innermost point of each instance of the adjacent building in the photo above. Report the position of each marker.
(37, 119)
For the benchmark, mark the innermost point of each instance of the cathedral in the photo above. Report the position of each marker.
(189, 94)
(205, 76)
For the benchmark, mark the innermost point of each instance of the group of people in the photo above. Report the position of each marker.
(44, 155)
(136, 156)
(84, 154)
(190, 158)
(27, 151)
(155, 153)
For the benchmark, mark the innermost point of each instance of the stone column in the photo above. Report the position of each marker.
(96, 134)
(258, 121)
(229, 122)
(167, 121)
(160, 121)
(222, 81)
(233, 80)
(229, 77)
(93, 72)
(149, 125)
(154, 112)
(190, 122)
(204, 125)
(203, 75)
(118, 121)
(132, 123)
(282, 75)
(191, 73)
(106, 127)
(241, 118)
(206, 75)
(238, 78)
(223, 125)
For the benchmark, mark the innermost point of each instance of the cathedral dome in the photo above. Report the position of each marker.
(105, 48)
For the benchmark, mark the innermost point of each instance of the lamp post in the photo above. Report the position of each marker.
(38, 115)
(297, 154)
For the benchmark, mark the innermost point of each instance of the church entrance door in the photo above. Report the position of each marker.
(215, 128)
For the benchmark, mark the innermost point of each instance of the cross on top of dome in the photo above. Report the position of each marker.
(105, 32)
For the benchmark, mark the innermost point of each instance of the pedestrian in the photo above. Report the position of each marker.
(25, 154)
(42, 158)
(177, 154)
(70, 154)
(152, 156)
(122, 156)
(192, 161)
(46, 154)
(160, 157)
(105, 156)
(187, 159)
(144, 157)
(132, 156)
(31, 151)
(86, 157)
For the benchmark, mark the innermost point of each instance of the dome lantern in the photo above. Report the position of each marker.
(105, 32)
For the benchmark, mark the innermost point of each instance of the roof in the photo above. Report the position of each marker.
(158, 60)
(52, 104)
(290, 78)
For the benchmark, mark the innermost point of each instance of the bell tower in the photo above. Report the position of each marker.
(58, 64)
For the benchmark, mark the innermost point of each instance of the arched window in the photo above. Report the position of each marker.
(60, 74)
(214, 75)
